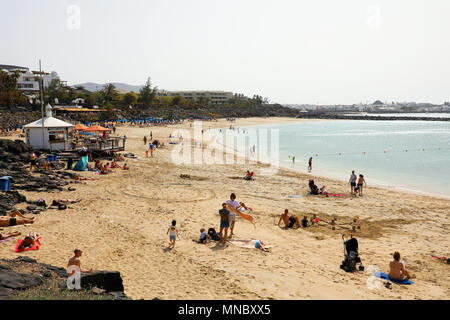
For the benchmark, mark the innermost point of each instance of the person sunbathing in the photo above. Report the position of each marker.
(289, 221)
(18, 214)
(397, 269)
(65, 201)
(114, 164)
(28, 242)
(9, 235)
(8, 221)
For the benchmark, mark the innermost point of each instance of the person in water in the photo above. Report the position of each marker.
(397, 269)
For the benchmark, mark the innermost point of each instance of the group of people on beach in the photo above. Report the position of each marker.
(356, 184)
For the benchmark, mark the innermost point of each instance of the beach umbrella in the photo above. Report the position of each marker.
(81, 127)
(96, 128)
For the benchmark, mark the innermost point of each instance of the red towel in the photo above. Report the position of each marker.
(36, 246)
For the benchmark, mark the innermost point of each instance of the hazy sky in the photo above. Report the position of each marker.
(317, 51)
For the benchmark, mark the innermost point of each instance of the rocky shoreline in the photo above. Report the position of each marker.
(14, 160)
(17, 276)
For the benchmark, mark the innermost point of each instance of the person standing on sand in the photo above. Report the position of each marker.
(293, 159)
(352, 182)
(151, 149)
(145, 140)
(75, 261)
(33, 158)
(310, 164)
(173, 233)
(361, 182)
(225, 219)
(235, 205)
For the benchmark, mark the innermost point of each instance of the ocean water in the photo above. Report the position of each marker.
(412, 155)
(411, 115)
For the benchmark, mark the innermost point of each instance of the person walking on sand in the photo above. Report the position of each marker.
(173, 233)
(145, 140)
(235, 205)
(225, 219)
(75, 261)
(352, 182)
(361, 182)
(310, 164)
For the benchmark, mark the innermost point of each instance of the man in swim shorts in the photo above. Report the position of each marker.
(289, 221)
(224, 222)
(9, 222)
(352, 181)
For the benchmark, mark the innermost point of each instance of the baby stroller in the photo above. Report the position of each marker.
(313, 188)
(351, 256)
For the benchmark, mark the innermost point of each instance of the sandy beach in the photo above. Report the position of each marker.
(122, 220)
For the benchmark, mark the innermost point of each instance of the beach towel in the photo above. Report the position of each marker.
(246, 243)
(81, 164)
(6, 239)
(336, 194)
(384, 276)
(246, 216)
(296, 196)
(36, 246)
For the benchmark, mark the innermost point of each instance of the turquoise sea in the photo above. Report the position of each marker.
(411, 155)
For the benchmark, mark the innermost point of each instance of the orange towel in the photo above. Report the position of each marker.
(247, 217)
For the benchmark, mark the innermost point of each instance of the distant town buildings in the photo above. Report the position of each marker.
(214, 97)
(28, 81)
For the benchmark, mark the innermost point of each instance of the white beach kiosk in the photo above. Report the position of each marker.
(58, 134)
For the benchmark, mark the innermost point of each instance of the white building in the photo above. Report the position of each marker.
(29, 80)
(57, 133)
(215, 97)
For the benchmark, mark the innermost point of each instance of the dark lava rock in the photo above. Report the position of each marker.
(109, 281)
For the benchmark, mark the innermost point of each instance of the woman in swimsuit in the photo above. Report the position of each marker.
(361, 182)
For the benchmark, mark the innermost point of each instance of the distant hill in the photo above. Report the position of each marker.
(121, 87)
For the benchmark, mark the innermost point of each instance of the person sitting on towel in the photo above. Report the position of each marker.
(323, 191)
(126, 167)
(289, 221)
(397, 269)
(204, 237)
(249, 176)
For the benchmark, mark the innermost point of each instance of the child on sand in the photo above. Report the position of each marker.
(260, 245)
(173, 233)
(204, 237)
(305, 222)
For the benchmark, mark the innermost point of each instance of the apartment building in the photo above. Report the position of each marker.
(215, 97)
